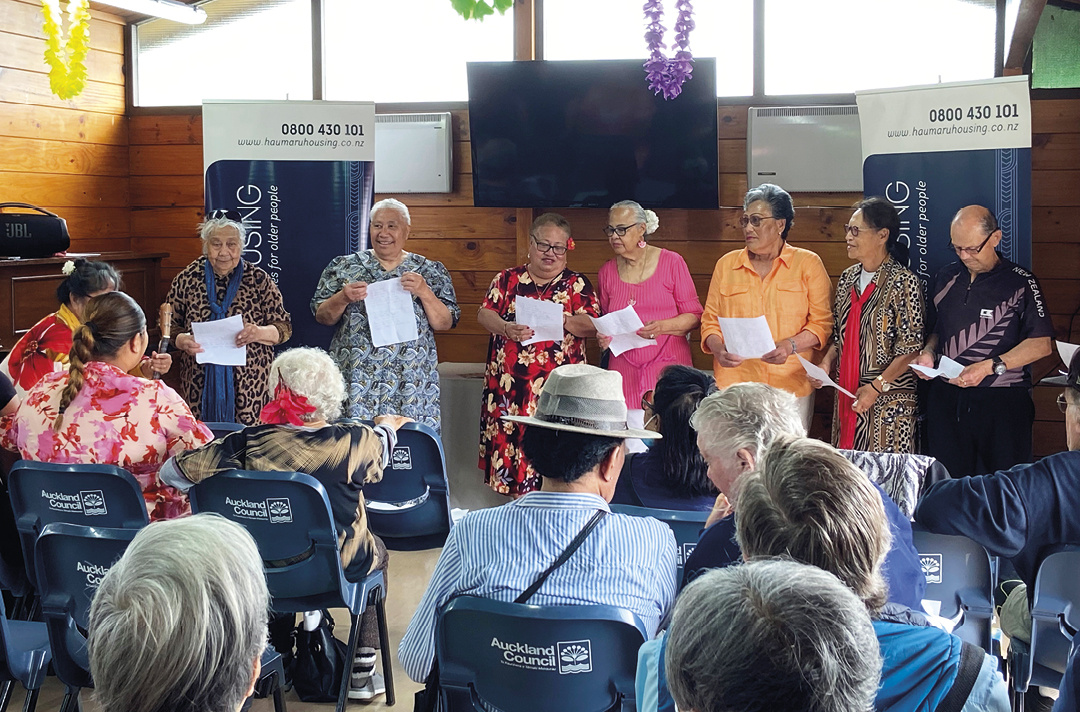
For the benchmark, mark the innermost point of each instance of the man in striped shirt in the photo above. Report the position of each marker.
(576, 442)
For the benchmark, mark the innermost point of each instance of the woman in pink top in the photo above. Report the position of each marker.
(657, 284)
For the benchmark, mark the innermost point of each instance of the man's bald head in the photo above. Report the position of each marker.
(976, 216)
(975, 236)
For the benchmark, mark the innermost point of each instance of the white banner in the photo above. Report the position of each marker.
(959, 116)
(288, 131)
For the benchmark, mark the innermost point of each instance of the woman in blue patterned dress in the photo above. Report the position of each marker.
(400, 378)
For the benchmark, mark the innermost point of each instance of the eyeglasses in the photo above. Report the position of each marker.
(754, 220)
(233, 215)
(1062, 403)
(619, 230)
(545, 247)
(972, 251)
(646, 400)
(855, 230)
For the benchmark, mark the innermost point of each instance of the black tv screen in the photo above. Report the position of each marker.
(589, 134)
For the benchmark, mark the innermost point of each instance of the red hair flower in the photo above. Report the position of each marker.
(286, 407)
(570, 244)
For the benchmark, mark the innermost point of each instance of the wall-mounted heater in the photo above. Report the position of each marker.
(804, 148)
(413, 153)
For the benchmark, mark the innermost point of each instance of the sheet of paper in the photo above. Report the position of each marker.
(544, 318)
(622, 327)
(947, 368)
(749, 338)
(390, 313)
(1066, 351)
(218, 341)
(820, 374)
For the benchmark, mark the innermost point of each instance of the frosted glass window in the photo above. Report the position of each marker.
(615, 29)
(246, 49)
(407, 50)
(840, 46)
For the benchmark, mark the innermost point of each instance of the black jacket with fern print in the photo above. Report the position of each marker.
(986, 317)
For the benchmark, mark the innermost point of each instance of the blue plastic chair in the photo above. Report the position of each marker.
(221, 429)
(960, 574)
(289, 516)
(91, 495)
(24, 657)
(71, 560)
(1055, 619)
(547, 658)
(410, 507)
(686, 525)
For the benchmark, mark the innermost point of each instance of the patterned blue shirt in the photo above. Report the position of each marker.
(497, 553)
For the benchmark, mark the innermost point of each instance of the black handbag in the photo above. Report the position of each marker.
(320, 661)
(40, 234)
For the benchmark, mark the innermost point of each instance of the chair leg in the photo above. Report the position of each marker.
(354, 643)
(279, 695)
(71, 700)
(31, 700)
(384, 646)
(5, 694)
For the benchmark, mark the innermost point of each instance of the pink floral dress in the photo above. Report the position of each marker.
(116, 419)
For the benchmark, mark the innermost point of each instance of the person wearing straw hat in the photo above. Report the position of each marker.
(576, 441)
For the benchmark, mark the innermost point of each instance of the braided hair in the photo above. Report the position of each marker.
(110, 320)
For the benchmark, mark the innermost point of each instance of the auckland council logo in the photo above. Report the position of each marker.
(575, 656)
(931, 566)
(401, 459)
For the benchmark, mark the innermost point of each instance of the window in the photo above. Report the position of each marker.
(407, 50)
(1055, 53)
(246, 49)
(615, 29)
(872, 44)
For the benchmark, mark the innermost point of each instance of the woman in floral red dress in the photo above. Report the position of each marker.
(516, 372)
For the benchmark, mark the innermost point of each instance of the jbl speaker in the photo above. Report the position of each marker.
(40, 234)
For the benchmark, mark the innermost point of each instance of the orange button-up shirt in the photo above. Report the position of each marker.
(794, 297)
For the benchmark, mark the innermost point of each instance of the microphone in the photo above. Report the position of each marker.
(165, 324)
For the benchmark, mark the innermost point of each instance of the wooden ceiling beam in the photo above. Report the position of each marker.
(1017, 46)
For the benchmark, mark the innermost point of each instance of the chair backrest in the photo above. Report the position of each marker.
(221, 429)
(288, 514)
(960, 576)
(92, 495)
(536, 658)
(412, 500)
(686, 525)
(1055, 611)
(71, 560)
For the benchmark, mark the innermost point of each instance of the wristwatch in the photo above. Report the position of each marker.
(999, 366)
(885, 385)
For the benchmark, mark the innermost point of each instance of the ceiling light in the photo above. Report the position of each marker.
(167, 9)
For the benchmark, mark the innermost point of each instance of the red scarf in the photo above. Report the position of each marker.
(849, 367)
(286, 407)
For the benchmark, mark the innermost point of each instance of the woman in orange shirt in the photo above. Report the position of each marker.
(786, 284)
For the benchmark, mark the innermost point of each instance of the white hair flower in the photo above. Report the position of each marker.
(68, 267)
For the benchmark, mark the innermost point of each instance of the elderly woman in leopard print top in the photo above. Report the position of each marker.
(215, 286)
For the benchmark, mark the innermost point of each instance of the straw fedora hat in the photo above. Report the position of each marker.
(580, 398)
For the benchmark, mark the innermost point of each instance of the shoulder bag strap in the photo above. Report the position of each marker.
(566, 554)
(971, 660)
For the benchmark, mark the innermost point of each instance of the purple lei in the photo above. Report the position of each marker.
(667, 75)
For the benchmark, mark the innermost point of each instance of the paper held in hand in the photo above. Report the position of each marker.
(819, 373)
(390, 313)
(749, 338)
(946, 367)
(544, 318)
(218, 341)
(1066, 351)
(622, 327)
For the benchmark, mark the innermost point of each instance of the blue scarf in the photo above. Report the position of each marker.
(219, 394)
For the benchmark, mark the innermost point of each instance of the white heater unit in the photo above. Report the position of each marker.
(412, 153)
(815, 149)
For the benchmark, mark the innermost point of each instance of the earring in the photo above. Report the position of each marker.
(641, 243)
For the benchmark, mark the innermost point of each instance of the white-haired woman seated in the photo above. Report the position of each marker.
(178, 624)
(298, 435)
(218, 285)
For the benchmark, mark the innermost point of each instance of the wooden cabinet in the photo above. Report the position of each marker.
(28, 289)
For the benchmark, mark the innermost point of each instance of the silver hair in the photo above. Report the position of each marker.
(745, 415)
(392, 204)
(771, 635)
(179, 621)
(641, 215)
(313, 374)
(211, 225)
(807, 501)
(779, 202)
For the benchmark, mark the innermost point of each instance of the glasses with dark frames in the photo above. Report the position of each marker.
(754, 220)
(558, 250)
(855, 230)
(619, 230)
(972, 251)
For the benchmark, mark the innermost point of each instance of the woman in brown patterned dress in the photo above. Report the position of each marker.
(879, 314)
(226, 393)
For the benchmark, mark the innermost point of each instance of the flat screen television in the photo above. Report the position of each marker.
(589, 134)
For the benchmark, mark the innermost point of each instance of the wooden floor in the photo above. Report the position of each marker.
(408, 578)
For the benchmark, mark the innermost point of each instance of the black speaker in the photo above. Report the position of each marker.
(40, 234)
